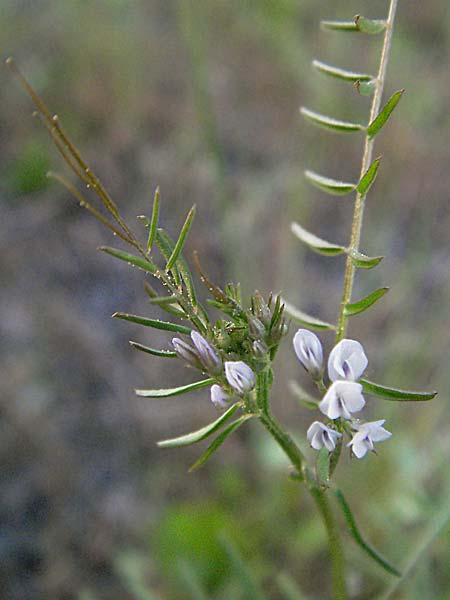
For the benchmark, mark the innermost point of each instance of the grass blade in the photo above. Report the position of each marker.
(356, 535)
(390, 393)
(315, 243)
(354, 308)
(331, 186)
(155, 323)
(200, 434)
(181, 239)
(340, 73)
(329, 122)
(166, 393)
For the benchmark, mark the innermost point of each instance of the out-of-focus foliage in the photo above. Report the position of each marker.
(202, 98)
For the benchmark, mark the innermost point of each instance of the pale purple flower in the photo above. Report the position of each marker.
(207, 355)
(341, 399)
(347, 361)
(239, 376)
(367, 434)
(319, 435)
(186, 352)
(218, 397)
(309, 352)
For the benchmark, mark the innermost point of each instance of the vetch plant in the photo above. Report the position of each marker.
(235, 354)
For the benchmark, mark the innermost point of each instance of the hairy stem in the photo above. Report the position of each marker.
(358, 212)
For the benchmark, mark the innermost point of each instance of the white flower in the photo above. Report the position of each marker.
(239, 376)
(208, 356)
(320, 435)
(347, 360)
(309, 352)
(218, 397)
(367, 434)
(342, 399)
(186, 352)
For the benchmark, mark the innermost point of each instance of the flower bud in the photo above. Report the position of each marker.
(309, 352)
(206, 353)
(186, 352)
(347, 360)
(259, 348)
(319, 435)
(256, 328)
(218, 397)
(239, 376)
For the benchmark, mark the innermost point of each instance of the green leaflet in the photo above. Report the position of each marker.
(154, 220)
(369, 177)
(181, 239)
(331, 186)
(131, 259)
(355, 308)
(356, 535)
(155, 323)
(340, 73)
(316, 243)
(329, 122)
(218, 441)
(298, 316)
(371, 26)
(362, 261)
(366, 88)
(384, 114)
(339, 25)
(153, 351)
(200, 434)
(166, 393)
(389, 393)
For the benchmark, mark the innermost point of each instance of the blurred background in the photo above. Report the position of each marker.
(201, 98)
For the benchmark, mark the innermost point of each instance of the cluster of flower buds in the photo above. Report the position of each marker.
(346, 364)
(201, 355)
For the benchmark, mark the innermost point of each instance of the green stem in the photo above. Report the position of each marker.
(296, 457)
(358, 212)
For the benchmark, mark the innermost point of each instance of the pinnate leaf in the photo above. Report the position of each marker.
(167, 392)
(362, 261)
(331, 186)
(371, 26)
(304, 319)
(390, 393)
(330, 122)
(200, 434)
(355, 308)
(315, 243)
(340, 73)
(369, 177)
(384, 114)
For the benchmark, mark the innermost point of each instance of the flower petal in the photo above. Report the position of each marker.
(347, 360)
